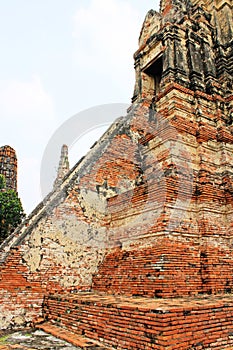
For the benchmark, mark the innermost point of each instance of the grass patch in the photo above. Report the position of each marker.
(27, 335)
(4, 338)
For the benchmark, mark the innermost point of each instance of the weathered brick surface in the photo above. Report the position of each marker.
(8, 166)
(20, 298)
(71, 337)
(139, 323)
(169, 268)
(148, 211)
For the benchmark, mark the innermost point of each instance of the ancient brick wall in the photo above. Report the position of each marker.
(141, 323)
(61, 244)
(168, 268)
(148, 211)
(20, 298)
(117, 224)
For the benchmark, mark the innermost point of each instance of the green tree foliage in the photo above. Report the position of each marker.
(2, 182)
(11, 211)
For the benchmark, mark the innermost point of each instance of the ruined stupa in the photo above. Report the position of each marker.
(134, 248)
(8, 166)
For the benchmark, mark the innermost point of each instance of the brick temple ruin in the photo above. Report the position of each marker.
(133, 249)
(8, 166)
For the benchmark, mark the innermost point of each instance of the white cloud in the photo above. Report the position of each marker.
(83, 144)
(29, 182)
(27, 121)
(25, 108)
(106, 34)
(108, 27)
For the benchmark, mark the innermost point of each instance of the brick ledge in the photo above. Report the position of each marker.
(70, 337)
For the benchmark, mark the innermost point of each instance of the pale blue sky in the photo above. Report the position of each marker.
(59, 57)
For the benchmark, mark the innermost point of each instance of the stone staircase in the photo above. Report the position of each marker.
(120, 322)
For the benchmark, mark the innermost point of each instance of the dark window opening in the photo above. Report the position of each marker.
(155, 70)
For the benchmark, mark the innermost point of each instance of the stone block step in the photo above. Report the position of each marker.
(70, 337)
(145, 323)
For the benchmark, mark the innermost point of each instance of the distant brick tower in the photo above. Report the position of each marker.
(8, 166)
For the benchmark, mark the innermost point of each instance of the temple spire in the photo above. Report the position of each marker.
(63, 167)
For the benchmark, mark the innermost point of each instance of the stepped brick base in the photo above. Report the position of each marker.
(143, 323)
